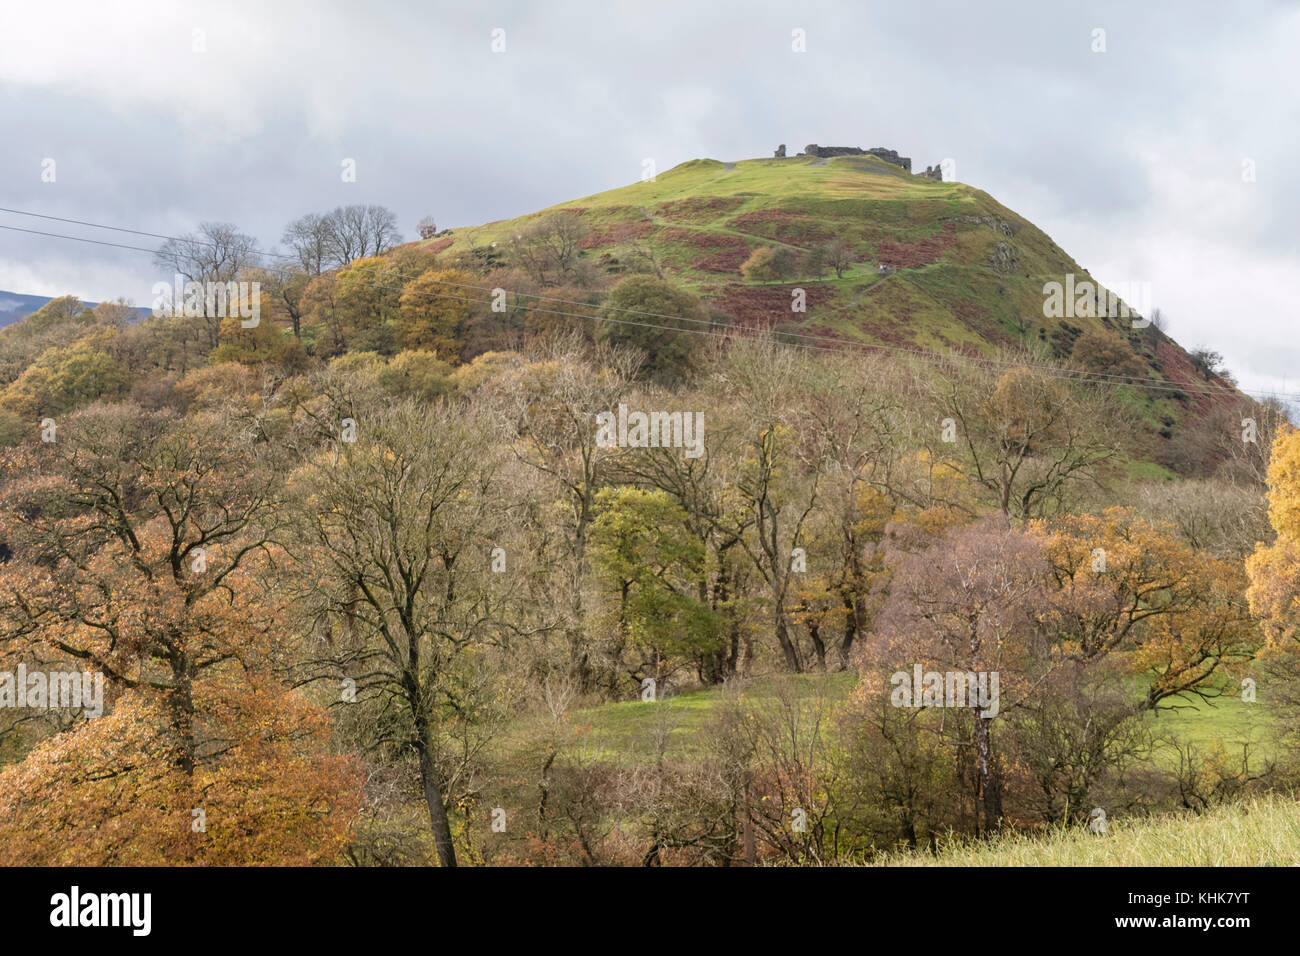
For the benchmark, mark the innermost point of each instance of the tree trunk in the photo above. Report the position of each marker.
(990, 780)
(787, 646)
(852, 622)
(433, 797)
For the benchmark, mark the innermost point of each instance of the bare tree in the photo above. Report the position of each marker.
(309, 238)
(355, 232)
(548, 249)
(838, 254)
(218, 252)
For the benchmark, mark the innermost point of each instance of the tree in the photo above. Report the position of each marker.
(359, 232)
(106, 793)
(969, 604)
(1126, 584)
(645, 555)
(760, 266)
(839, 255)
(1098, 350)
(218, 252)
(309, 238)
(263, 344)
(61, 380)
(418, 375)
(1206, 362)
(1029, 442)
(551, 403)
(148, 554)
(776, 479)
(549, 248)
(786, 262)
(433, 311)
(662, 322)
(401, 524)
(367, 298)
(1274, 569)
(427, 228)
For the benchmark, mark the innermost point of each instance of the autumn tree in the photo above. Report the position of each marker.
(148, 554)
(776, 478)
(1274, 569)
(549, 248)
(1127, 584)
(969, 605)
(401, 524)
(1099, 350)
(551, 405)
(1031, 442)
(760, 266)
(433, 310)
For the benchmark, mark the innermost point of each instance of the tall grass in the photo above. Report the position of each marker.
(1257, 832)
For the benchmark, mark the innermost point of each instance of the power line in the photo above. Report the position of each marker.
(134, 232)
(98, 242)
(814, 343)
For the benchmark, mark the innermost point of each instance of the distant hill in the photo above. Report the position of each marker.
(16, 305)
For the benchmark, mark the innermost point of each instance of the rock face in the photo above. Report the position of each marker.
(1003, 258)
(888, 155)
(780, 152)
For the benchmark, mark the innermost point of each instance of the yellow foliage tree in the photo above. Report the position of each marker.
(1274, 569)
(433, 311)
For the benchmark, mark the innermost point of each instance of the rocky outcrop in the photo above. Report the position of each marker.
(1003, 258)
(780, 152)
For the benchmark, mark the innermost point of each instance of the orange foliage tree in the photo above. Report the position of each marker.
(144, 549)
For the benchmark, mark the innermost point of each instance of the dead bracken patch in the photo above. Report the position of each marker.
(727, 261)
(913, 255)
(796, 229)
(698, 207)
(761, 307)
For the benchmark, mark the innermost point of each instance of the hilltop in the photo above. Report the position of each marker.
(937, 265)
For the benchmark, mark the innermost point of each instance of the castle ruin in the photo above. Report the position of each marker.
(888, 155)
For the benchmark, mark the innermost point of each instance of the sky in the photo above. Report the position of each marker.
(1154, 142)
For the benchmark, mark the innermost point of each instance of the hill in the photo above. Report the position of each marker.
(934, 265)
(15, 306)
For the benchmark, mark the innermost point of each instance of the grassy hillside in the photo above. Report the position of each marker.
(962, 270)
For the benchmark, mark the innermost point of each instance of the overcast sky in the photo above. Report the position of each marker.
(1134, 159)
